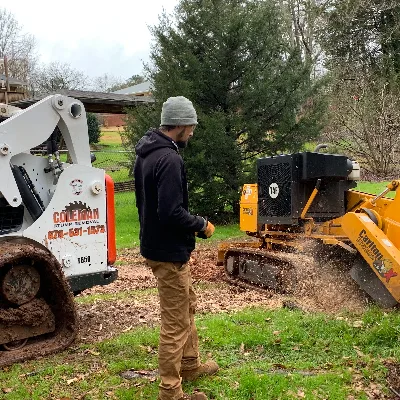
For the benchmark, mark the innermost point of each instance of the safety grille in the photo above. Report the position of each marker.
(11, 218)
(271, 177)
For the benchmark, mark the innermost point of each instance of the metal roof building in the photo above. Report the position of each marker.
(96, 102)
(141, 89)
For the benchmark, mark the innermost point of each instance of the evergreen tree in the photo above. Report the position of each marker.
(93, 128)
(251, 88)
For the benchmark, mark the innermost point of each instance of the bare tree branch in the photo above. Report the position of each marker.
(57, 76)
(17, 46)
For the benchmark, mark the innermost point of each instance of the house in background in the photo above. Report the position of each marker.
(118, 120)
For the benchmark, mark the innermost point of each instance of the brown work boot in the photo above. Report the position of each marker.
(194, 396)
(208, 368)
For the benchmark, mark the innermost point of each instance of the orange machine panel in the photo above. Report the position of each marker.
(111, 242)
(249, 208)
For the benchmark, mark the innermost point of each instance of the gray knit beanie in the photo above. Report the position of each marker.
(178, 111)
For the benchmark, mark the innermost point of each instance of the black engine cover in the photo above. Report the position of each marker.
(286, 182)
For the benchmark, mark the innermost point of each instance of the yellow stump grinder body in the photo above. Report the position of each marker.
(310, 197)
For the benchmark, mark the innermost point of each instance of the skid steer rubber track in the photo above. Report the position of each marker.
(260, 269)
(37, 311)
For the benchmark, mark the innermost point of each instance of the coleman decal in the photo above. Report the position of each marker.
(75, 215)
(76, 219)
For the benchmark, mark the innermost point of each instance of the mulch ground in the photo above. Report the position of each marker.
(321, 286)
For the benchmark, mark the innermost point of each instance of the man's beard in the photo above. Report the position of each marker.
(182, 144)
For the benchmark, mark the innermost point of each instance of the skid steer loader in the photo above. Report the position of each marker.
(57, 228)
(307, 198)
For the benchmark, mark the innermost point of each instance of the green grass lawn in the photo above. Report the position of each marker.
(110, 156)
(115, 162)
(373, 188)
(110, 138)
(127, 222)
(263, 354)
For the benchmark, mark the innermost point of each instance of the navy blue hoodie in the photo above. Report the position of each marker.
(166, 227)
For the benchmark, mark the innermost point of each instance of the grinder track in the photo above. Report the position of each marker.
(260, 269)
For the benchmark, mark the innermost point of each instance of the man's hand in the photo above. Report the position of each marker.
(208, 232)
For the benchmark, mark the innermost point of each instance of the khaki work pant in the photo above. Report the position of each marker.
(179, 344)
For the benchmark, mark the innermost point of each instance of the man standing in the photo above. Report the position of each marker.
(167, 238)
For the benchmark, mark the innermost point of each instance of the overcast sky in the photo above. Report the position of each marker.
(95, 37)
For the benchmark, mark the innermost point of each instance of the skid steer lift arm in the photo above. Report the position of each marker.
(17, 135)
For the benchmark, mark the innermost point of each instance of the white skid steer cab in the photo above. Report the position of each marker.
(57, 228)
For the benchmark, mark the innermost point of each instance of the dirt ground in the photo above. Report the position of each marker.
(321, 286)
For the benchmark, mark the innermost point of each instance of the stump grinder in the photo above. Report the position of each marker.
(309, 199)
(57, 228)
